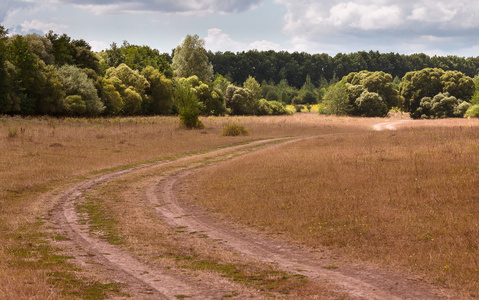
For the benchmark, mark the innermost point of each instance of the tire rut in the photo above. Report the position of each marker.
(111, 262)
(144, 281)
(357, 280)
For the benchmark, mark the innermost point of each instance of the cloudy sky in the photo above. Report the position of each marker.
(434, 27)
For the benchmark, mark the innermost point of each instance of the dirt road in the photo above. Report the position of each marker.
(142, 280)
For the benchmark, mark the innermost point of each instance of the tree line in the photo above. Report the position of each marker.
(57, 75)
(273, 67)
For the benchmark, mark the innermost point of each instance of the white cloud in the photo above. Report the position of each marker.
(217, 40)
(165, 6)
(379, 24)
(365, 17)
(42, 26)
(264, 45)
(98, 46)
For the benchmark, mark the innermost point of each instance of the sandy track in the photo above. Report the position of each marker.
(358, 281)
(110, 262)
(389, 125)
(143, 281)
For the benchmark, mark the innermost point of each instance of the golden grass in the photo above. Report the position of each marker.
(42, 155)
(405, 199)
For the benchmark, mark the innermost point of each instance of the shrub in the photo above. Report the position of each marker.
(298, 108)
(271, 108)
(443, 105)
(240, 101)
(12, 132)
(336, 100)
(188, 106)
(371, 105)
(74, 105)
(234, 129)
(472, 112)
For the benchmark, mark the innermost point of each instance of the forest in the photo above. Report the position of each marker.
(56, 75)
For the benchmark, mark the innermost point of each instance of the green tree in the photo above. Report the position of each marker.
(159, 98)
(419, 84)
(211, 100)
(76, 82)
(221, 83)
(42, 47)
(190, 58)
(371, 105)
(131, 101)
(336, 100)
(111, 95)
(271, 108)
(72, 52)
(24, 74)
(188, 106)
(6, 93)
(443, 105)
(62, 49)
(240, 101)
(137, 58)
(475, 96)
(35, 88)
(253, 86)
(472, 112)
(428, 83)
(458, 85)
(129, 84)
(376, 82)
(51, 100)
(74, 105)
(129, 78)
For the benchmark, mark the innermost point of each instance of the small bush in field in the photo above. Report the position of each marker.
(233, 129)
(298, 108)
(12, 132)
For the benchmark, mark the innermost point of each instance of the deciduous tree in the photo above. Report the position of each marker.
(190, 58)
(76, 82)
(159, 98)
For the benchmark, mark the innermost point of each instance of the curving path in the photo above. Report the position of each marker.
(144, 281)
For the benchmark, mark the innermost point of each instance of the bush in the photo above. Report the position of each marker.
(443, 105)
(472, 112)
(336, 100)
(234, 129)
(298, 107)
(74, 105)
(271, 108)
(371, 105)
(188, 106)
(240, 101)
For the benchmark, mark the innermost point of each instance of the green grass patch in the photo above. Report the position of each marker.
(78, 288)
(30, 251)
(99, 221)
(261, 279)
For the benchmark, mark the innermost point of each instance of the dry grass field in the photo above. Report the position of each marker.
(40, 156)
(405, 199)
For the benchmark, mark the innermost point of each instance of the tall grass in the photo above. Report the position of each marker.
(406, 199)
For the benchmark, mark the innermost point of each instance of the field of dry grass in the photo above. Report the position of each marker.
(43, 155)
(404, 199)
